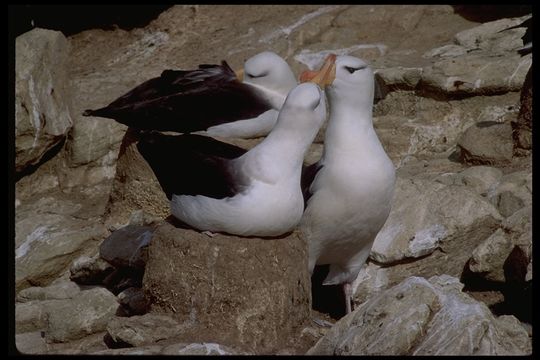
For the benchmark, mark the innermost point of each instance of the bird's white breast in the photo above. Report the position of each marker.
(262, 210)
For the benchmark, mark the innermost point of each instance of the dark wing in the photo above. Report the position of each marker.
(186, 101)
(192, 164)
(308, 175)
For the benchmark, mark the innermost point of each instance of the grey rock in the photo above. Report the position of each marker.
(233, 289)
(513, 192)
(134, 301)
(140, 350)
(43, 94)
(423, 317)
(488, 258)
(83, 315)
(127, 247)
(451, 50)
(486, 144)
(61, 290)
(476, 74)
(31, 316)
(143, 330)
(519, 227)
(400, 77)
(441, 213)
(88, 344)
(50, 232)
(492, 35)
(410, 125)
(481, 178)
(48, 245)
(90, 270)
(31, 343)
(200, 349)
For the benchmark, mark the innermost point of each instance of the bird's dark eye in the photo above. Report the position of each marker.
(257, 76)
(353, 69)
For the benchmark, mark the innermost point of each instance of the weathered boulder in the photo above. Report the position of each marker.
(490, 258)
(513, 192)
(31, 316)
(142, 350)
(127, 247)
(43, 95)
(424, 317)
(90, 270)
(483, 61)
(87, 313)
(143, 330)
(493, 36)
(249, 292)
(487, 143)
(31, 343)
(49, 248)
(60, 290)
(441, 214)
(134, 301)
(200, 349)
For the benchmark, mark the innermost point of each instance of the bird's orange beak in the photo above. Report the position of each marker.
(326, 74)
(240, 74)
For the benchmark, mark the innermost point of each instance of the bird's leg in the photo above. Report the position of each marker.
(209, 233)
(347, 290)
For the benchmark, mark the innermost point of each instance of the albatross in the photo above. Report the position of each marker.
(348, 192)
(212, 99)
(218, 187)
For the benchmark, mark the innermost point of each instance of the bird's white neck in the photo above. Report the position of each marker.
(283, 150)
(350, 126)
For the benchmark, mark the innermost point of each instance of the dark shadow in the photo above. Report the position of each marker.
(52, 152)
(516, 291)
(485, 13)
(111, 344)
(327, 299)
(71, 19)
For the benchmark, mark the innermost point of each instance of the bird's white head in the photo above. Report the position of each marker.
(269, 71)
(354, 79)
(304, 109)
(345, 79)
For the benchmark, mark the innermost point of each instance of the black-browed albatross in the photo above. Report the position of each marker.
(211, 99)
(349, 190)
(218, 187)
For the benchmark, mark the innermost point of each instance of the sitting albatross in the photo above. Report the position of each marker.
(218, 187)
(212, 99)
(349, 190)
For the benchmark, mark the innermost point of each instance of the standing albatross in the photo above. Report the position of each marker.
(349, 190)
(211, 99)
(218, 187)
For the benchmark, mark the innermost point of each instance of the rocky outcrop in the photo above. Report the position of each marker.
(43, 95)
(441, 77)
(48, 237)
(143, 330)
(85, 314)
(424, 317)
(442, 214)
(242, 291)
(487, 144)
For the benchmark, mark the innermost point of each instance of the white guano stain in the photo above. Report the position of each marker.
(37, 234)
(287, 30)
(427, 240)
